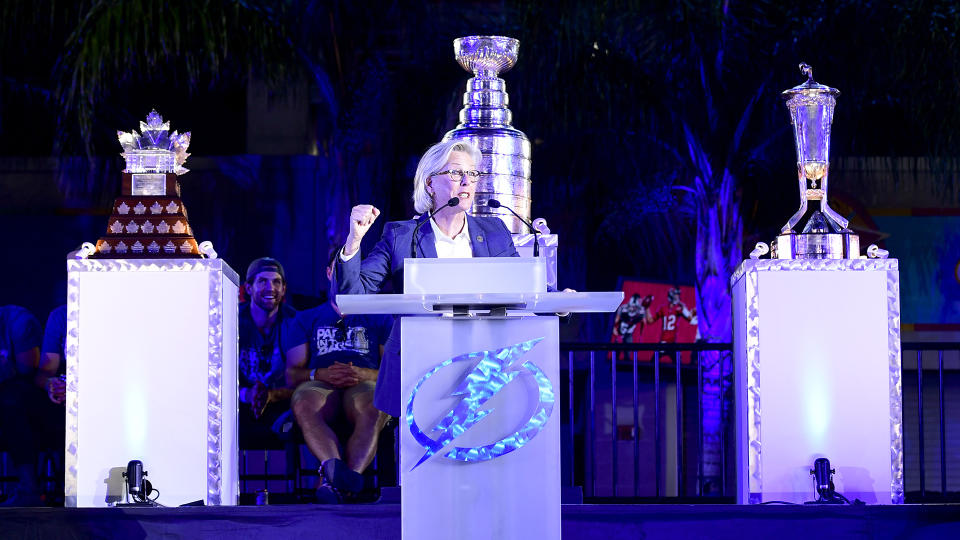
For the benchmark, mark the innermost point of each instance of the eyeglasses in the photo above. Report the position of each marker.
(456, 175)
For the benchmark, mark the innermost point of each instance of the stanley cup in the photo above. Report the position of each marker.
(485, 120)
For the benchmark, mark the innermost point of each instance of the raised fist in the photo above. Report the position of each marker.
(362, 217)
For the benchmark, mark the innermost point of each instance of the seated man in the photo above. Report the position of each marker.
(19, 355)
(334, 368)
(264, 323)
(53, 367)
(51, 378)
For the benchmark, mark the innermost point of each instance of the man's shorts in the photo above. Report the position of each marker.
(327, 389)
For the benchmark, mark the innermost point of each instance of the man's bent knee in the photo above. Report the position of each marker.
(359, 401)
(310, 397)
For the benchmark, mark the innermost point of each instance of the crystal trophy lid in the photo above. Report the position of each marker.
(154, 149)
(486, 56)
(810, 87)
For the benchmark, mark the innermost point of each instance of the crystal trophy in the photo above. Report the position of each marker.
(149, 220)
(486, 121)
(825, 234)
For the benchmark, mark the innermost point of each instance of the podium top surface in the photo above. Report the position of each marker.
(153, 265)
(421, 304)
(815, 265)
(475, 275)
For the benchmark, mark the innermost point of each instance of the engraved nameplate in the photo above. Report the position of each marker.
(149, 184)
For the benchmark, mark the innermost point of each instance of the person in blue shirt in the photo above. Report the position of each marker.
(263, 324)
(50, 377)
(53, 361)
(19, 356)
(334, 363)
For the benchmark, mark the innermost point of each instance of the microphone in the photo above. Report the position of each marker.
(493, 203)
(454, 201)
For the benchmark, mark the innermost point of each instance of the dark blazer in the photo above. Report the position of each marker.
(489, 237)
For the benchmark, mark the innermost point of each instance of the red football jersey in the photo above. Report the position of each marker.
(670, 314)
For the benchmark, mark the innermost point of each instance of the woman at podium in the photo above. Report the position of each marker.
(443, 193)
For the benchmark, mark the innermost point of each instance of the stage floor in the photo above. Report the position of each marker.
(382, 522)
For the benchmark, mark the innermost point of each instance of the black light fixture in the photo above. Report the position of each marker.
(823, 479)
(138, 488)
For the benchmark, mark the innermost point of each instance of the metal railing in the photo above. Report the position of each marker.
(669, 464)
(917, 361)
(674, 390)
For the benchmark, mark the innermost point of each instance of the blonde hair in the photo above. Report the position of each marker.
(434, 158)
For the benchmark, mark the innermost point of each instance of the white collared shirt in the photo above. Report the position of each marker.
(447, 248)
(456, 247)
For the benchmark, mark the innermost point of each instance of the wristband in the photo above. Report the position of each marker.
(313, 374)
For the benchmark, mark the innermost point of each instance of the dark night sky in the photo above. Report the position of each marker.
(603, 90)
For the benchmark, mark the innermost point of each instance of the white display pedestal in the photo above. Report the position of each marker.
(151, 358)
(515, 495)
(498, 477)
(817, 345)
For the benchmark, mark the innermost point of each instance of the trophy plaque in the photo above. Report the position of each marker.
(486, 121)
(149, 220)
(825, 234)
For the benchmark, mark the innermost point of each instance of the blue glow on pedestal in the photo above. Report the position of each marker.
(817, 407)
(491, 373)
(136, 418)
(816, 392)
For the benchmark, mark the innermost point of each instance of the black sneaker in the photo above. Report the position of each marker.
(326, 494)
(344, 480)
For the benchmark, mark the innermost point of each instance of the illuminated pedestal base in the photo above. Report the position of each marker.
(514, 496)
(480, 407)
(817, 346)
(151, 375)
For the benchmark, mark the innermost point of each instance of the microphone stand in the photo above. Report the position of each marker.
(454, 201)
(493, 203)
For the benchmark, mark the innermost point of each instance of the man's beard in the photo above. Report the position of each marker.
(267, 305)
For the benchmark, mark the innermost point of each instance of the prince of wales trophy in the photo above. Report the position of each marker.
(825, 234)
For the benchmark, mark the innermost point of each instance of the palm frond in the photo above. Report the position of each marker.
(118, 45)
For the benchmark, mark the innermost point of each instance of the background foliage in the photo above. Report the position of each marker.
(661, 146)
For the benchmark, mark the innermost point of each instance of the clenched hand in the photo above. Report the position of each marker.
(362, 217)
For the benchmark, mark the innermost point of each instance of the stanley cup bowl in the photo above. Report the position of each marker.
(486, 56)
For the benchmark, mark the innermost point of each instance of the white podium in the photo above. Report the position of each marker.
(480, 437)
(817, 346)
(151, 359)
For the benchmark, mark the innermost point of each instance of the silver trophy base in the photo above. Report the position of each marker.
(815, 246)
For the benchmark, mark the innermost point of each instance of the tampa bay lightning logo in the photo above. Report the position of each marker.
(493, 371)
